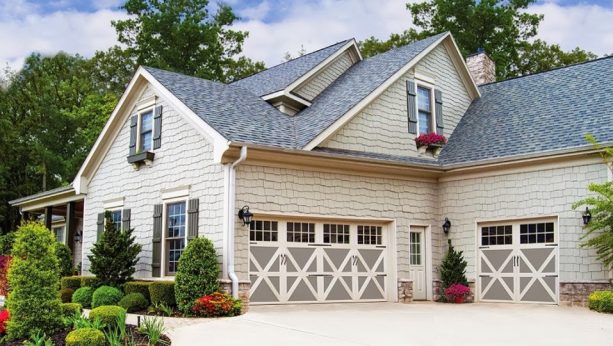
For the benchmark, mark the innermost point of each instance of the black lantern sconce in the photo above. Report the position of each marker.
(77, 236)
(245, 215)
(587, 216)
(446, 226)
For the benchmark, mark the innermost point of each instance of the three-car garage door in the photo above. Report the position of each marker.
(316, 262)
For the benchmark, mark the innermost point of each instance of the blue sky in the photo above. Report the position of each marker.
(275, 26)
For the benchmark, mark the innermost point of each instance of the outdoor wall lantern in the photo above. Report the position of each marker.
(446, 226)
(587, 216)
(245, 215)
(77, 237)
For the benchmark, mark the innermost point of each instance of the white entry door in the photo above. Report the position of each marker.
(417, 262)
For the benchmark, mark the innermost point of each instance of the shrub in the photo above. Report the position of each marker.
(6, 243)
(108, 314)
(134, 302)
(4, 317)
(5, 262)
(114, 256)
(83, 296)
(65, 295)
(162, 292)
(453, 268)
(70, 309)
(89, 281)
(456, 290)
(64, 255)
(85, 337)
(141, 287)
(216, 304)
(34, 280)
(73, 282)
(601, 301)
(197, 273)
(106, 295)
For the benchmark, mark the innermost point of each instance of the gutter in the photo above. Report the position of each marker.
(232, 219)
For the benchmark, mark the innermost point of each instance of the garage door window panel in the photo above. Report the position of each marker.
(497, 235)
(262, 230)
(336, 234)
(536, 233)
(300, 232)
(370, 235)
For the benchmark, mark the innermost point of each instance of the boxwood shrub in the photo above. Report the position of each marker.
(108, 314)
(134, 302)
(70, 309)
(197, 273)
(162, 292)
(73, 282)
(85, 337)
(65, 295)
(141, 287)
(83, 296)
(106, 295)
(64, 256)
(89, 281)
(601, 301)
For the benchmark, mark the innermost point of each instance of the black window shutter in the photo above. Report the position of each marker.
(156, 267)
(438, 109)
(157, 127)
(100, 226)
(133, 134)
(125, 219)
(192, 230)
(412, 106)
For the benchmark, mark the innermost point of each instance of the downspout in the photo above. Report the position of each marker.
(232, 219)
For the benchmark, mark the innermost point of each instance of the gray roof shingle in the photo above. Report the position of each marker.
(536, 113)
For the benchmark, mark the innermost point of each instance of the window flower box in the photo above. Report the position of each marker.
(432, 142)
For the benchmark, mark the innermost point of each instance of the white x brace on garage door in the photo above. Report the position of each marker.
(518, 262)
(314, 262)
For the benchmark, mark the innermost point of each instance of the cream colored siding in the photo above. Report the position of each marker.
(314, 86)
(185, 158)
(546, 192)
(281, 190)
(382, 127)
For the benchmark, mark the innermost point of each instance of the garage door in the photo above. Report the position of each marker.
(518, 262)
(316, 262)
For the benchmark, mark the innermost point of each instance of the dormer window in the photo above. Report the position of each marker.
(424, 108)
(145, 135)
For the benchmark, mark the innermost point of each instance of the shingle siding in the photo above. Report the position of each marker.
(382, 127)
(324, 78)
(185, 158)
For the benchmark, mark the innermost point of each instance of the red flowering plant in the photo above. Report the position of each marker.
(4, 317)
(456, 291)
(216, 305)
(430, 139)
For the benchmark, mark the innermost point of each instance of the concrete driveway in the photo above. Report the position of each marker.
(397, 324)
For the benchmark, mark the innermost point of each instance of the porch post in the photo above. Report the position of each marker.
(71, 224)
(48, 217)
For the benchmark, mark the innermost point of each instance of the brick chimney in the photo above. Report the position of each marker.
(481, 67)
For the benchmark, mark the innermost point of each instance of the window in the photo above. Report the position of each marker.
(424, 109)
(415, 247)
(336, 234)
(175, 234)
(497, 235)
(301, 232)
(116, 219)
(263, 231)
(145, 133)
(59, 233)
(536, 233)
(370, 235)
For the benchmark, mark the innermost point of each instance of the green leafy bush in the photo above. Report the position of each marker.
(70, 309)
(162, 292)
(108, 314)
(141, 287)
(34, 280)
(106, 295)
(89, 281)
(134, 302)
(73, 282)
(452, 269)
(6, 243)
(114, 256)
(601, 301)
(85, 337)
(197, 274)
(65, 295)
(83, 296)
(64, 255)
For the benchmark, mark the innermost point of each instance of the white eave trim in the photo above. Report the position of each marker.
(285, 93)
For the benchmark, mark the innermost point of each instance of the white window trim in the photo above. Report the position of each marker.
(58, 225)
(114, 203)
(165, 203)
(429, 86)
(112, 209)
(139, 117)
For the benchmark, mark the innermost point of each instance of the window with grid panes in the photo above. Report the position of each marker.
(536, 233)
(497, 235)
(336, 234)
(262, 230)
(175, 234)
(415, 247)
(370, 235)
(300, 232)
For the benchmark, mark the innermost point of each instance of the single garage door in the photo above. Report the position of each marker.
(518, 262)
(316, 262)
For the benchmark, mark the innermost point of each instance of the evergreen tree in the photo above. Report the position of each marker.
(115, 255)
(453, 268)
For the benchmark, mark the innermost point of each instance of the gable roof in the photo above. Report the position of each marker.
(537, 113)
(281, 76)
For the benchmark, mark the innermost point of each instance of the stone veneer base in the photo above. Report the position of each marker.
(576, 293)
(243, 291)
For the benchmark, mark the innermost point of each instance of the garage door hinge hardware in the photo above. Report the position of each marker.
(380, 246)
(320, 244)
(325, 275)
(381, 274)
(551, 276)
(484, 247)
(551, 244)
(253, 242)
(484, 276)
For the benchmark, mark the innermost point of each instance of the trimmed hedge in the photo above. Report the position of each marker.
(73, 282)
(162, 292)
(107, 314)
(64, 256)
(85, 337)
(70, 309)
(197, 273)
(83, 296)
(106, 295)
(89, 281)
(601, 301)
(65, 295)
(134, 302)
(141, 287)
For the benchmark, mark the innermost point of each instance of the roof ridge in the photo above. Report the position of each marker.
(183, 74)
(406, 45)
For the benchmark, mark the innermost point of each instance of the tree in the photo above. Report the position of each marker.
(182, 36)
(540, 56)
(453, 268)
(64, 256)
(114, 256)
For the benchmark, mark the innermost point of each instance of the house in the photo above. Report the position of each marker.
(319, 154)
